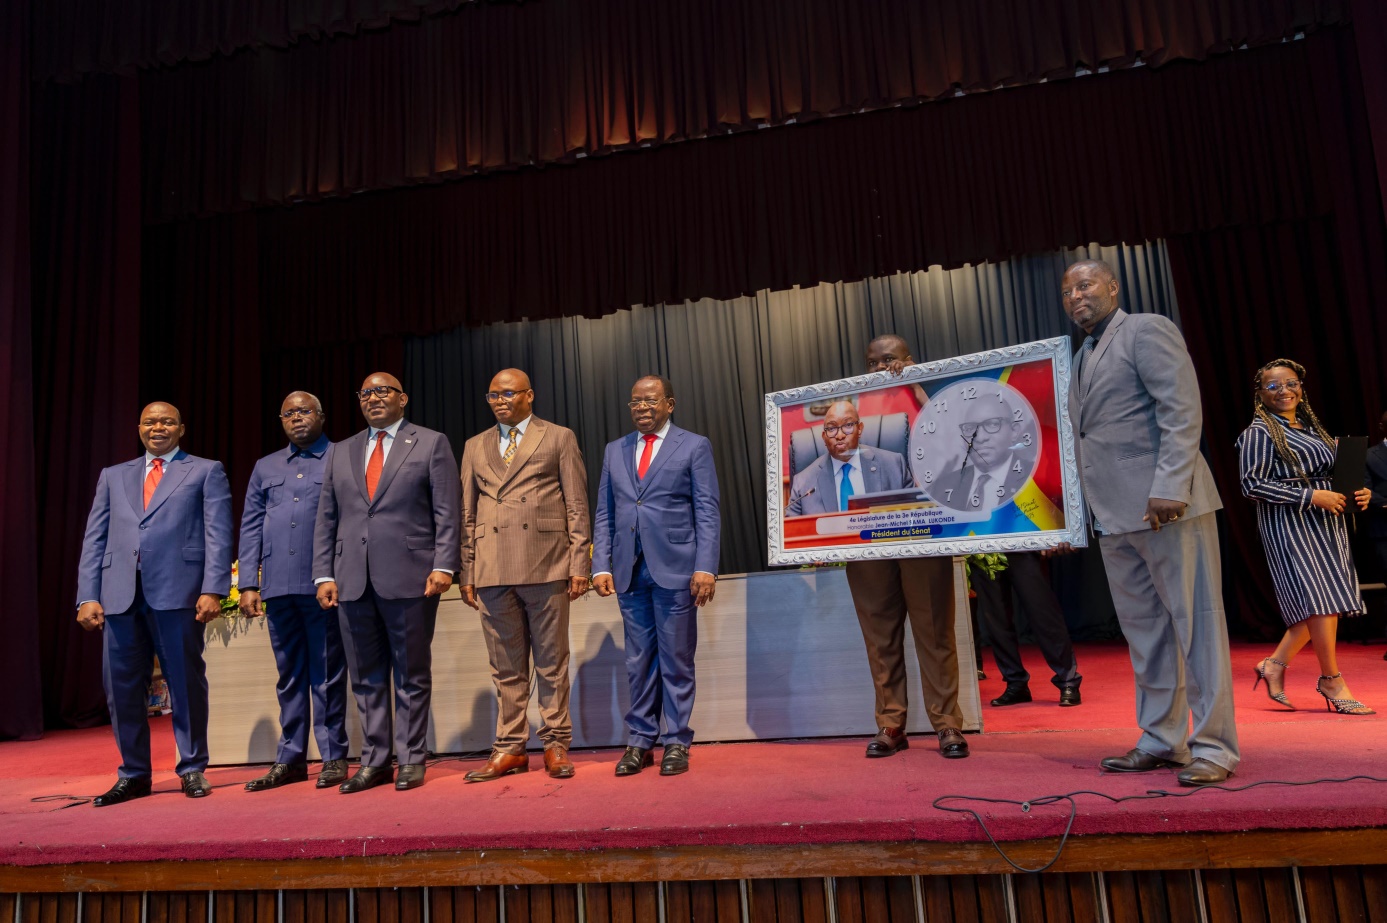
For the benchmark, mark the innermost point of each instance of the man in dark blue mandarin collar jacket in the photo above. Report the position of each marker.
(277, 581)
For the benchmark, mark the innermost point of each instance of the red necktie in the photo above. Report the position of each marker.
(151, 480)
(374, 465)
(646, 454)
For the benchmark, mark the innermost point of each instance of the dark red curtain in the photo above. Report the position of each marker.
(87, 348)
(19, 452)
(1233, 141)
(511, 86)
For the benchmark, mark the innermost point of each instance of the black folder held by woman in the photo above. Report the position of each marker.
(1351, 466)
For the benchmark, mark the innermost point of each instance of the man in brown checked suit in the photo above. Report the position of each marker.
(524, 558)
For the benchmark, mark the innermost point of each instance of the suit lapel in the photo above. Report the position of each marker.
(132, 480)
(1091, 363)
(174, 474)
(827, 484)
(628, 452)
(356, 458)
(534, 434)
(406, 438)
(672, 439)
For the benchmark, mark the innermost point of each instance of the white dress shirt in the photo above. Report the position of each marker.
(386, 443)
(659, 435)
(522, 426)
(854, 476)
(149, 461)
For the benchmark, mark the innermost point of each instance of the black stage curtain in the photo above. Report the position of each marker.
(508, 86)
(19, 453)
(87, 348)
(724, 356)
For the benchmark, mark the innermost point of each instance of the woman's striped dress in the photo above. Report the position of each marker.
(1307, 547)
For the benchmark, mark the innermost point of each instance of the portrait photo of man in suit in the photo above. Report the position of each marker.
(655, 545)
(849, 469)
(276, 569)
(525, 557)
(1134, 402)
(156, 562)
(385, 546)
(995, 463)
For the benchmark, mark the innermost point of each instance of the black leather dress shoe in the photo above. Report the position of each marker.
(367, 777)
(1135, 761)
(633, 761)
(1015, 694)
(279, 774)
(1069, 695)
(411, 776)
(675, 760)
(888, 741)
(123, 790)
(952, 746)
(195, 784)
(1202, 772)
(334, 772)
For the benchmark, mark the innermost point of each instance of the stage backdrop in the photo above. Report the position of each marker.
(723, 356)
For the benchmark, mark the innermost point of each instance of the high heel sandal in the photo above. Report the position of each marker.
(1342, 706)
(1279, 697)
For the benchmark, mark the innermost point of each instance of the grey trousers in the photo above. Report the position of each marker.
(1168, 591)
(517, 622)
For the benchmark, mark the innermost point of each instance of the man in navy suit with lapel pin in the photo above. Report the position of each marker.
(277, 582)
(156, 562)
(384, 548)
(655, 544)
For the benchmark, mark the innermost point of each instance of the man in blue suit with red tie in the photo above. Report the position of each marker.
(655, 544)
(156, 561)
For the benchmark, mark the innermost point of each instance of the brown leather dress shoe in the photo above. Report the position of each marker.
(557, 763)
(1202, 772)
(952, 746)
(500, 764)
(1135, 760)
(887, 742)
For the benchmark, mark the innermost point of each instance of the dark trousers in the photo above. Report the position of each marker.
(312, 687)
(661, 635)
(130, 641)
(385, 637)
(1033, 591)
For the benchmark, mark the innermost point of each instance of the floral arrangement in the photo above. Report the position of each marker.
(231, 604)
(989, 565)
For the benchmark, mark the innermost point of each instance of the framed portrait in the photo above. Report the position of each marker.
(962, 455)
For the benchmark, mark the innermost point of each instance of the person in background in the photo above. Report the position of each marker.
(1286, 459)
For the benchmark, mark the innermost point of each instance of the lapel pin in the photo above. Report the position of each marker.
(408, 441)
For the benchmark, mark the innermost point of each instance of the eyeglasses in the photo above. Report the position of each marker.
(645, 402)
(382, 392)
(847, 429)
(1275, 386)
(298, 412)
(494, 396)
(990, 425)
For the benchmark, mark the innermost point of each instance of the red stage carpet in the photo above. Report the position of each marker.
(819, 791)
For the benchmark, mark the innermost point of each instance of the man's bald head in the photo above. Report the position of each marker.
(510, 396)
(842, 430)
(161, 427)
(383, 400)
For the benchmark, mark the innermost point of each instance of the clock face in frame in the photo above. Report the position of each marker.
(974, 445)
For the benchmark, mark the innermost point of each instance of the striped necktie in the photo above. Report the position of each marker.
(509, 454)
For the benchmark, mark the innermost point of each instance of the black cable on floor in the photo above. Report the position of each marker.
(1150, 794)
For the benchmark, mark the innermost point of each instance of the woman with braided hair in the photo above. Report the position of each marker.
(1286, 458)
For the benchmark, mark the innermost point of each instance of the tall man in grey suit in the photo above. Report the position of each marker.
(1134, 400)
(524, 558)
(384, 547)
(885, 592)
(156, 560)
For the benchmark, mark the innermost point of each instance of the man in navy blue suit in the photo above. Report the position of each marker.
(655, 544)
(277, 582)
(156, 561)
(385, 547)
